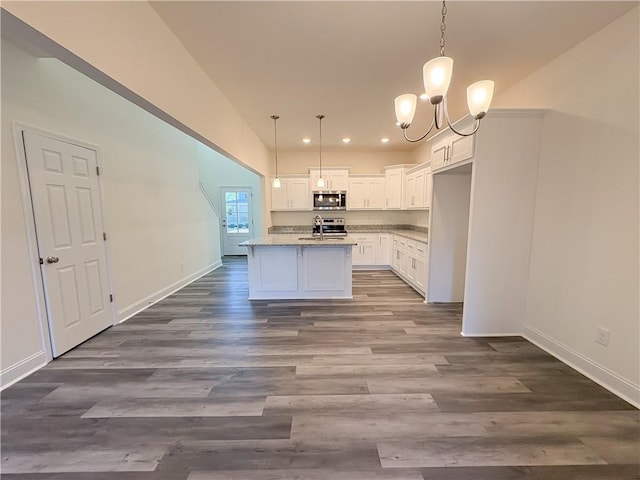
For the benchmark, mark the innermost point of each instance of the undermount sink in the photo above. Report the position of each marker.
(319, 239)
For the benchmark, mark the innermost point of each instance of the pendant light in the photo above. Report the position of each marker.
(321, 182)
(276, 181)
(436, 76)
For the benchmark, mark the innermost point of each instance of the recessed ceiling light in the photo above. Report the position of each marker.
(306, 140)
(346, 140)
(384, 140)
(424, 97)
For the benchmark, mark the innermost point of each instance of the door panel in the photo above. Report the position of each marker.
(87, 222)
(68, 217)
(94, 287)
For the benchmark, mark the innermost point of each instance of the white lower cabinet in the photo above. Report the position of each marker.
(364, 253)
(383, 252)
(409, 262)
(372, 249)
(420, 277)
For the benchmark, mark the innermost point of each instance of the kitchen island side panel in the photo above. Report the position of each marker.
(299, 272)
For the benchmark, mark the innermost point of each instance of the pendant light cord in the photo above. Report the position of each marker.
(320, 117)
(275, 138)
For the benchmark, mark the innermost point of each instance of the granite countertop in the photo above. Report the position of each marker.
(289, 240)
(413, 233)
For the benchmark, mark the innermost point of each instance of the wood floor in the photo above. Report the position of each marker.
(206, 385)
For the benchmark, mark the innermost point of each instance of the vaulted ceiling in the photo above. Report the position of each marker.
(348, 60)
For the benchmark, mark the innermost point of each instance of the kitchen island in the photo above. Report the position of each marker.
(299, 266)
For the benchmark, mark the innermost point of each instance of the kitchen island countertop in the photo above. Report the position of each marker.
(295, 240)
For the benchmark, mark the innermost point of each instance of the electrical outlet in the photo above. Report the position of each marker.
(602, 336)
(181, 266)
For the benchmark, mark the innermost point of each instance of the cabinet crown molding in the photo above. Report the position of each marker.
(467, 121)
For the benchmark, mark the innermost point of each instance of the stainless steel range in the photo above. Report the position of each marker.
(332, 227)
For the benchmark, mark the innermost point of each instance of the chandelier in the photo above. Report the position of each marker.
(276, 180)
(436, 75)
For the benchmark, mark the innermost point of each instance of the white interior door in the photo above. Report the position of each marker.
(68, 215)
(237, 222)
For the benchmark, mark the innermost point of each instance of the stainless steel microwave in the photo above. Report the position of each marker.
(329, 200)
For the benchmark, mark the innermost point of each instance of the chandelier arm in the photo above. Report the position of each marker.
(414, 140)
(446, 114)
(475, 129)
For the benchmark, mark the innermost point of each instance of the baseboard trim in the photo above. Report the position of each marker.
(491, 334)
(22, 369)
(599, 374)
(144, 303)
(371, 267)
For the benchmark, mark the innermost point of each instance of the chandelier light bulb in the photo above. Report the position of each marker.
(405, 108)
(436, 75)
(479, 96)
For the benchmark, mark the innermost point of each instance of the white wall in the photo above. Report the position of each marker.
(585, 255)
(129, 42)
(153, 205)
(215, 171)
(420, 154)
(503, 191)
(448, 235)
(359, 162)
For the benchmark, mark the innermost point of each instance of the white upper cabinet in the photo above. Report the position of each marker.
(293, 194)
(334, 179)
(366, 192)
(394, 187)
(451, 149)
(418, 187)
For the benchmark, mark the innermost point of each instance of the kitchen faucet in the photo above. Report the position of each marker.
(317, 220)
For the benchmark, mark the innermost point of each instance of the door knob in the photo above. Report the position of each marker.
(53, 259)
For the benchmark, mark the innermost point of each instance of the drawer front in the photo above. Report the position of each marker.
(421, 249)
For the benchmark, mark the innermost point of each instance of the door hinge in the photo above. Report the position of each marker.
(98, 170)
(104, 236)
(41, 261)
(111, 297)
